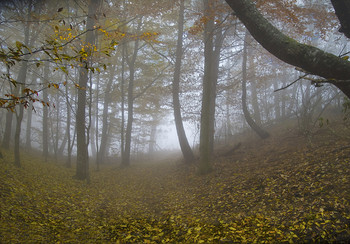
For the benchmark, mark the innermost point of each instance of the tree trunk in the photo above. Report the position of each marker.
(29, 124)
(184, 145)
(104, 135)
(122, 91)
(263, 134)
(131, 64)
(21, 80)
(82, 170)
(152, 138)
(46, 113)
(342, 10)
(69, 148)
(19, 114)
(212, 49)
(8, 129)
(206, 132)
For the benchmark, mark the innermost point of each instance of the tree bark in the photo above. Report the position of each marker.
(82, 170)
(131, 64)
(29, 120)
(342, 10)
(205, 140)
(181, 134)
(8, 129)
(21, 80)
(104, 135)
(46, 113)
(69, 148)
(308, 58)
(212, 48)
(262, 133)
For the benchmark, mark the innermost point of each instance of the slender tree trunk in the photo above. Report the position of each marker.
(276, 99)
(19, 114)
(152, 137)
(29, 122)
(104, 135)
(21, 80)
(122, 91)
(184, 145)
(262, 133)
(69, 148)
(82, 169)
(97, 123)
(131, 64)
(8, 129)
(46, 113)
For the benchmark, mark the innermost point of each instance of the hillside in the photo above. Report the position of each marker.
(285, 188)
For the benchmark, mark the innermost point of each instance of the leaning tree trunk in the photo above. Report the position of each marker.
(184, 145)
(262, 133)
(311, 59)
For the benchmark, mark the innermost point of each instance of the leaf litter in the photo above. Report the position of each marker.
(272, 191)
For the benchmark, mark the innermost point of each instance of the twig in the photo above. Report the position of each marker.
(285, 87)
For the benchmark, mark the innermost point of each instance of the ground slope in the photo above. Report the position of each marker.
(285, 188)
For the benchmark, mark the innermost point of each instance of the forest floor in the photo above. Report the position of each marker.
(286, 188)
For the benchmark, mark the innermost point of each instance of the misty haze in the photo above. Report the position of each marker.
(184, 121)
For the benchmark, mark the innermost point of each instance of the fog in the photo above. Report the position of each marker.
(187, 121)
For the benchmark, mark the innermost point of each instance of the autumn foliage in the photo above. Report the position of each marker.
(279, 190)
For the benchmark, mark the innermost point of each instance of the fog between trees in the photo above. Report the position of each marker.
(92, 82)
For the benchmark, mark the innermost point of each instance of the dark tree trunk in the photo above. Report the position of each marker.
(82, 170)
(19, 113)
(8, 129)
(342, 10)
(104, 135)
(212, 49)
(29, 120)
(205, 140)
(21, 81)
(263, 134)
(184, 145)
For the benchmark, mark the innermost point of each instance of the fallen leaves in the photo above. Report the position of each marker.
(301, 196)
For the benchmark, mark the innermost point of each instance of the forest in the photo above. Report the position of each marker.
(183, 121)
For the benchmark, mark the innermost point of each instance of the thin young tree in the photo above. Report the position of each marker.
(184, 145)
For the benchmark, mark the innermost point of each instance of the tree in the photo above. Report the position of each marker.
(45, 134)
(335, 70)
(131, 63)
(213, 39)
(262, 133)
(22, 75)
(342, 10)
(82, 170)
(184, 145)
